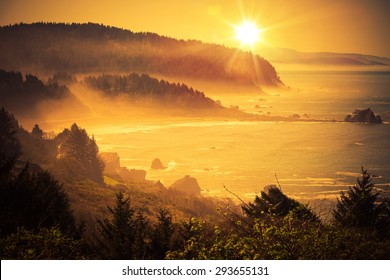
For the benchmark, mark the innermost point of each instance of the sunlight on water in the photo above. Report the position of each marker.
(310, 159)
(246, 156)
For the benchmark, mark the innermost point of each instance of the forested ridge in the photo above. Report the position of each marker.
(23, 95)
(48, 214)
(86, 48)
(145, 89)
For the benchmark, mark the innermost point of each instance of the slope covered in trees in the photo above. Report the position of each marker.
(23, 95)
(143, 89)
(86, 48)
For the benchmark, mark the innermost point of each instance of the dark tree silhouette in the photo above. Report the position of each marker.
(118, 235)
(83, 151)
(274, 201)
(34, 201)
(10, 148)
(22, 96)
(359, 206)
(37, 131)
(161, 237)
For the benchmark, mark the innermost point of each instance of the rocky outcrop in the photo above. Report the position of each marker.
(113, 167)
(157, 164)
(187, 185)
(111, 162)
(363, 116)
(132, 174)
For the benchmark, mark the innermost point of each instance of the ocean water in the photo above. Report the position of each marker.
(310, 160)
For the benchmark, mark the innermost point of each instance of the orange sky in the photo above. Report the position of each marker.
(359, 26)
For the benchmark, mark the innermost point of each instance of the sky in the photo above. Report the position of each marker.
(349, 26)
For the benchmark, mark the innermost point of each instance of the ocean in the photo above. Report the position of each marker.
(309, 160)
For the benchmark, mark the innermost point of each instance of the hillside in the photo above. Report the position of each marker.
(148, 91)
(91, 48)
(28, 96)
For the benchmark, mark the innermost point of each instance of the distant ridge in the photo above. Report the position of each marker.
(85, 48)
(289, 56)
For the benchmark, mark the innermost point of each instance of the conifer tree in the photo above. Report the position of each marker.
(37, 131)
(358, 206)
(83, 150)
(10, 148)
(118, 234)
(162, 235)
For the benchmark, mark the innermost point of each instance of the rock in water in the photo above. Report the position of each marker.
(157, 164)
(363, 116)
(187, 185)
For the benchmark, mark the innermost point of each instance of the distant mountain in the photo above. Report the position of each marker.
(85, 48)
(289, 56)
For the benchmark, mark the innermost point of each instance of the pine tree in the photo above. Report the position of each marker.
(118, 235)
(162, 235)
(37, 131)
(10, 148)
(358, 206)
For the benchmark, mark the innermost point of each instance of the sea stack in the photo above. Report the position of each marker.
(187, 185)
(157, 164)
(363, 116)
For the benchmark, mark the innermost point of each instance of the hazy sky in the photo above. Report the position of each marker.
(360, 26)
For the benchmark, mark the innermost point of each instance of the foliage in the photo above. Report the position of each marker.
(161, 235)
(359, 207)
(10, 148)
(20, 94)
(282, 238)
(274, 201)
(79, 155)
(33, 201)
(119, 235)
(47, 243)
(148, 90)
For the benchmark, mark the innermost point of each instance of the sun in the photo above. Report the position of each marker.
(247, 33)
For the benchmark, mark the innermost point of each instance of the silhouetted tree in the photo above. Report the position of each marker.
(359, 206)
(34, 201)
(275, 202)
(118, 235)
(9, 146)
(83, 151)
(161, 237)
(37, 131)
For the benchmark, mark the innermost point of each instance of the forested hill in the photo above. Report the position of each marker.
(23, 95)
(86, 48)
(145, 90)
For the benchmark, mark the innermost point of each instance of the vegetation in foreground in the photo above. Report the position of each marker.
(37, 220)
